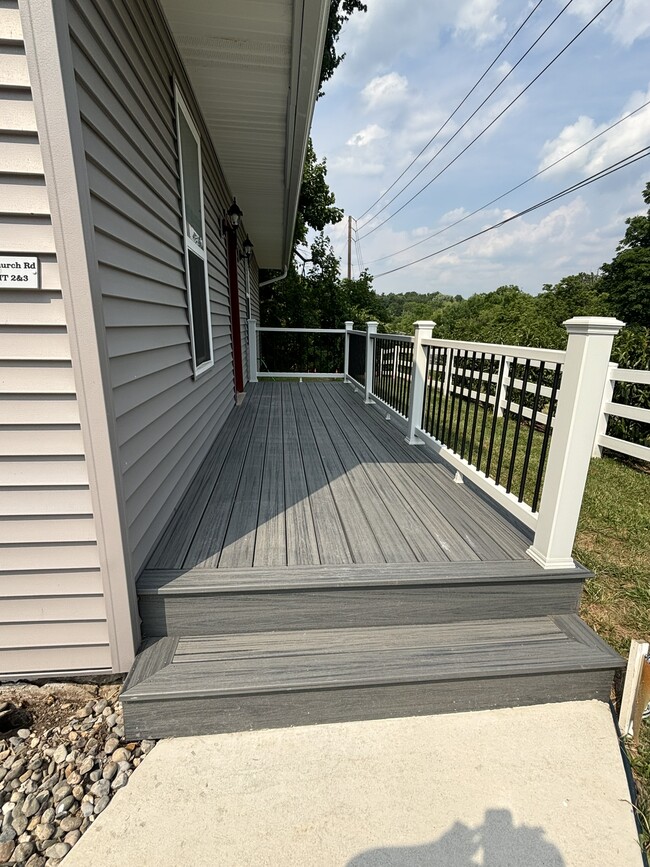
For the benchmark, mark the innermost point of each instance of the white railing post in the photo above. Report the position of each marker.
(423, 330)
(502, 396)
(586, 369)
(601, 428)
(252, 350)
(346, 348)
(371, 328)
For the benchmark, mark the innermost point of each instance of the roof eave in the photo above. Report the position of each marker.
(309, 31)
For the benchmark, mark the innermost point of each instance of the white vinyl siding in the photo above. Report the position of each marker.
(52, 610)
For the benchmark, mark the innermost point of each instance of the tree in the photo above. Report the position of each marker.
(316, 204)
(626, 279)
(340, 12)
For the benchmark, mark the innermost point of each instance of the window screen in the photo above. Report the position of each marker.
(189, 146)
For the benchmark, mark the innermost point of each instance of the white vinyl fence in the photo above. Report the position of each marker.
(621, 410)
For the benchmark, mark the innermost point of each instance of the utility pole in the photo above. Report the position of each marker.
(349, 248)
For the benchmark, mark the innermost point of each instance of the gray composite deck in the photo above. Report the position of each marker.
(319, 569)
(306, 474)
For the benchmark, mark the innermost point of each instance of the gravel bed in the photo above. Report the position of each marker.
(62, 758)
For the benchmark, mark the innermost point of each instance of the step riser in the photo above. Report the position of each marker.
(225, 613)
(193, 716)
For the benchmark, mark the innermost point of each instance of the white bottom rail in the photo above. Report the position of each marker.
(509, 502)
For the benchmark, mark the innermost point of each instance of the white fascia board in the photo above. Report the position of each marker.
(309, 31)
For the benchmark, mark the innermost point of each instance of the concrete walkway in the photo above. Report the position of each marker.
(530, 787)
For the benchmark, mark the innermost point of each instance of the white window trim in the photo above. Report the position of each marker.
(188, 243)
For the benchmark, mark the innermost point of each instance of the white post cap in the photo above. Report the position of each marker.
(424, 323)
(605, 325)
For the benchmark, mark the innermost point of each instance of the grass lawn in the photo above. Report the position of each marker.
(614, 542)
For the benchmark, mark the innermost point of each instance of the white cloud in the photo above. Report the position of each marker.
(356, 164)
(625, 22)
(625, 139)
(479, 20)
(385, 90)
(367, 135)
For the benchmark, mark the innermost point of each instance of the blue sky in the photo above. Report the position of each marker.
(409, 63)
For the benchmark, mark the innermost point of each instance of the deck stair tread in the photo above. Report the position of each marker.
(329, 659)
(203, 581)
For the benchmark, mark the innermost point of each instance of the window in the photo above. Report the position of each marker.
(196, 264)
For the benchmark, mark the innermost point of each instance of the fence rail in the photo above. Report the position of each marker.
(612, 410)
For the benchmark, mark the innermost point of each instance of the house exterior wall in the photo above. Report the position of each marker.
(52, 606)
(125, 64)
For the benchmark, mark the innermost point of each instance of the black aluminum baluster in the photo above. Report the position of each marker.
(477, 403)
(486, 408)
(440, 383)
(531, 432)
(547, 436)
(506, 419)
(460, 400)
(426, 423)
(515, 440)
(495, 414)
(448, 386)
(468, 405)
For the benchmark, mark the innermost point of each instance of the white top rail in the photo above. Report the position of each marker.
(309, 330)
(556, 356)
(355, 331)
(397, 338)
(620, 374)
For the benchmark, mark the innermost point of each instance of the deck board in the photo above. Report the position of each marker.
(360, 495)
(472, 518)
(302, 544)
(304, 474)
(333, 658)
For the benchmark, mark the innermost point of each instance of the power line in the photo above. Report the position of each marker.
(474, 113)
(615, 167)
(455, 111)
(357, 246)
(492, 122)
(512, 189)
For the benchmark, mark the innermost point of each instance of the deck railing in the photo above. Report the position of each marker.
(392, 370)
(519, 423)
(304, 353)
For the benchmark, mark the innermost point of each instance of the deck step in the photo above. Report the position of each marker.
(219, 601)
(201, 685)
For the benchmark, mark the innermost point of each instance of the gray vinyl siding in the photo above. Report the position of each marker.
(255, 294)
(125, 65)
(52, 609)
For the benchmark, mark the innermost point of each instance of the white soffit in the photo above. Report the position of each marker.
(254, 66)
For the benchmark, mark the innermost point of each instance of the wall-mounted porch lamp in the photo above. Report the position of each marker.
(247, 251)
(233, 216)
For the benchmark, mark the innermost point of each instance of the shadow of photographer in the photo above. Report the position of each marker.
(495, 843)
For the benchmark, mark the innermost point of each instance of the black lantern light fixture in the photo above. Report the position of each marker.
(234, 215)
(247, 249)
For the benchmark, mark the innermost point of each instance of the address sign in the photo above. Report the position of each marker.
(19, 272)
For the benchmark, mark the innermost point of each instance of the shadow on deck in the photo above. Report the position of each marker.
(308, 475)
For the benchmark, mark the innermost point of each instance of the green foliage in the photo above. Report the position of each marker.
(506, 315)
(316, 204)
(626, 279)
(340, 12)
